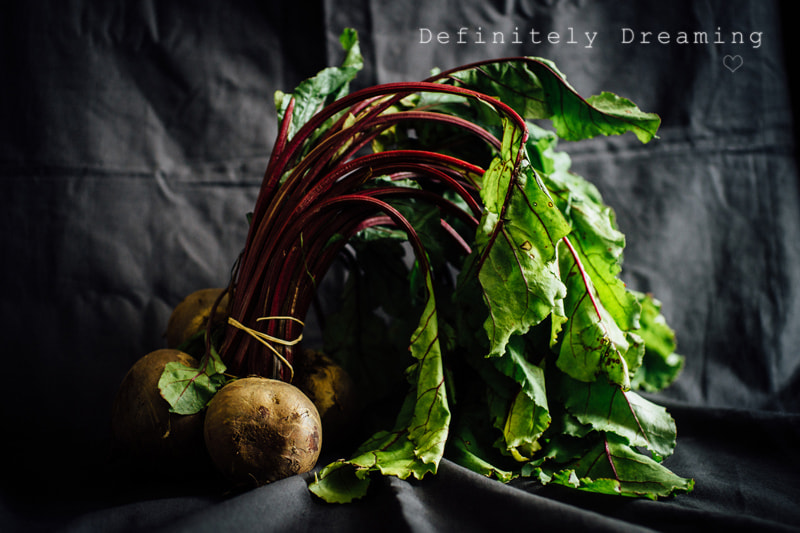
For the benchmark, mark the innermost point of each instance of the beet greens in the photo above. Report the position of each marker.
(526, 347)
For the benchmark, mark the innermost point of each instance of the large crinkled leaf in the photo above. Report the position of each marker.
(600, 311)
(528, 416)
(392, 453)
(429, 425)
(387, 452)
(576, 118)
(611, 466)
(598, 242)
(595, 235)
(516, 243)
(536, 89)
(608, 408)
(512, 82)
(661, 364)
(416, 445)
(592, 342)
(467, 449)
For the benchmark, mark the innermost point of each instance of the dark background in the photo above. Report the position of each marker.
(133, 138)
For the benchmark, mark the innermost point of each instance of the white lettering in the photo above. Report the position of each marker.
(571, 32)
(517, 36)
(423, 33)
(627, 36)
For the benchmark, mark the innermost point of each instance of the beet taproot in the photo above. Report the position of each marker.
(142, 425)
(330, 387)
(191, 315)
(260, 430)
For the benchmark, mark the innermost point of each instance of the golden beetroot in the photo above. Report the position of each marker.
(142, 425)
(259, 430)
(331, 389)
(191, 315)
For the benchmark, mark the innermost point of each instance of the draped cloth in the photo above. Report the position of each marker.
(133, 140)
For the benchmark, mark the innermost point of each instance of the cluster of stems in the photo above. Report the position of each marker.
(316, 194)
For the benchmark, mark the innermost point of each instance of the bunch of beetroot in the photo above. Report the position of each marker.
(482, 303)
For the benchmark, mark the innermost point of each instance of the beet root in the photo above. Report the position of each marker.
(142, 425)
(259, 430)
(332, 390)
(191, 315)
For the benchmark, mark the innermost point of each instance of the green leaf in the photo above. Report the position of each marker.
(592, 342)
(608, 408)
(188, 390)
(513, 82)
(524, 425)
(339, 482)
(598, 242)
(576, 118)
(528, 416)
(536, 89)
(429, 425)
(600, 312)
(517, 365)
(387, 453)
(660, 365)
(390, 453)
(394, 454)
(597, 239)
(416, 445)
(621, 115)
(613, 467)
(516, 245)
(328, 85)
(467, 451)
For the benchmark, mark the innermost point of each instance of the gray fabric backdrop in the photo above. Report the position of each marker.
(133, 137)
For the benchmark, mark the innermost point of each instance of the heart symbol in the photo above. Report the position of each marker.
(732, 63)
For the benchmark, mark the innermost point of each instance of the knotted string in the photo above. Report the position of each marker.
(267, 340)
